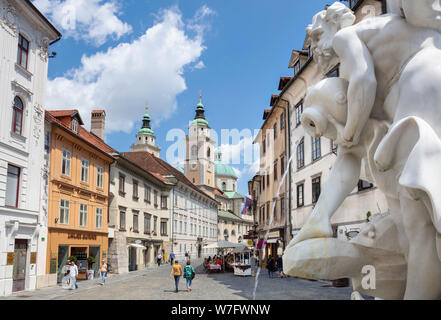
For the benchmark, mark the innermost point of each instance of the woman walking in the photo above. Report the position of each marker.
(177, 273)
(103, 270)
(189, 274)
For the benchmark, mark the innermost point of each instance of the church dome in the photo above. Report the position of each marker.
(146, 129)
(223, 169)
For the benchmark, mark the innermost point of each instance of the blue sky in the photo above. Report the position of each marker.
(163, 52)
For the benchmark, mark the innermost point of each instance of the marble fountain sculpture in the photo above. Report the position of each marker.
(384, 113)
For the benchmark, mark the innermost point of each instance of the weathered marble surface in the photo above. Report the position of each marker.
(384, 113)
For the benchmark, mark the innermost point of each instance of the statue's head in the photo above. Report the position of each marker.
(321, 32)
(422, 13)
(325, 109)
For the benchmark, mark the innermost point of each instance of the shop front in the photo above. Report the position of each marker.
(273, 245)
(87, 248)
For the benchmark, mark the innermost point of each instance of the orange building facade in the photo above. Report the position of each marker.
(78, 195)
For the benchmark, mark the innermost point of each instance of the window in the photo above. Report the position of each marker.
(83, 215)
(194, 152)
(84, 170)
(267, 180)
(99, 177)
(296, 68)
(64, 211)
(13, 186)
(147, 194)
(180, 226)
(267, 211)
(264, 146)
(275, 131)
(155, 223)
(99, 218)
(334, 147)
(300, 201)
(224, 186)
(275, 171)
(363, 185)
(17, 117)
(47, 141)
(135, 189)
(156, 198)
(164, 202)
(175, 226)
(282, 165)
(263, 183)
(316, 152)
(282, 121)
(23, 51)
(122, 182)
(122, 220)
(75, 125)
(147, 227)
(301, 154)
(282, 207)
(185, 227)
(65, 165)
(135, 221)
(299, 110)
(315, 189)
(163, 227)
(208, 153)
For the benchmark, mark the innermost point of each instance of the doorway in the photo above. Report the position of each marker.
(132, 259)
(94, 251)
(63, 253)
(20, 261)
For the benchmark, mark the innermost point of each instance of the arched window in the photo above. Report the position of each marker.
(17, 116)
(194, 152)
(208, 153)
(226, 234)
(233, 232)
(224, 186)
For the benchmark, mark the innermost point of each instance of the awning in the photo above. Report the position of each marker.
(135, 245)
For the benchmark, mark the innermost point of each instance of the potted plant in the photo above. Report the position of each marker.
(73, 258)
(90, 260)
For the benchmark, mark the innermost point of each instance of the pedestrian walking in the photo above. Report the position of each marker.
(271, 267)
(189, 274)
(279, 263)
(172, 257)
(73, 275)
(103, 271)
(165, 257)
(65, 282)
(159, 259)
(177, 273)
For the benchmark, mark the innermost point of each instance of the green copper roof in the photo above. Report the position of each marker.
(233, 195)
(147, 131)
(200, 122)
(228, 215)
(224, 169)
(200, 105)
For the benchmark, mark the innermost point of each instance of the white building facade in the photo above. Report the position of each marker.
(25, 37)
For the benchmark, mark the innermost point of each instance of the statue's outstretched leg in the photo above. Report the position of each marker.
(424, 266)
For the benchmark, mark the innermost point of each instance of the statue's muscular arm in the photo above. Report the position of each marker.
(356, 66)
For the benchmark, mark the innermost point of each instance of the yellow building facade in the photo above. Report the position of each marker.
(78, 195)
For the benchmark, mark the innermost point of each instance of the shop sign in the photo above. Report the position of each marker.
(81, 236)
(10, 259)
(274, 234)
(33, 258)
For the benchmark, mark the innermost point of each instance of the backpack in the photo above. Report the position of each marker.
(189, 269)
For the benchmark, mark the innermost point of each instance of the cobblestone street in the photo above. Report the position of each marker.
(155, 284)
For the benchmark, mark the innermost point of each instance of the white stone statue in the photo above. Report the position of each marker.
(385, 115)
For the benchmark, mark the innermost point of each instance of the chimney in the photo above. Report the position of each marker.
(97, 123)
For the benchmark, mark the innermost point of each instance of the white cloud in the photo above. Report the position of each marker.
(199, 65)
(91, 20)
(122, 79)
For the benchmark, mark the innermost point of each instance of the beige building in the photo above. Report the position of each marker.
(139, 226)
(313, 158)
(273, 220)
